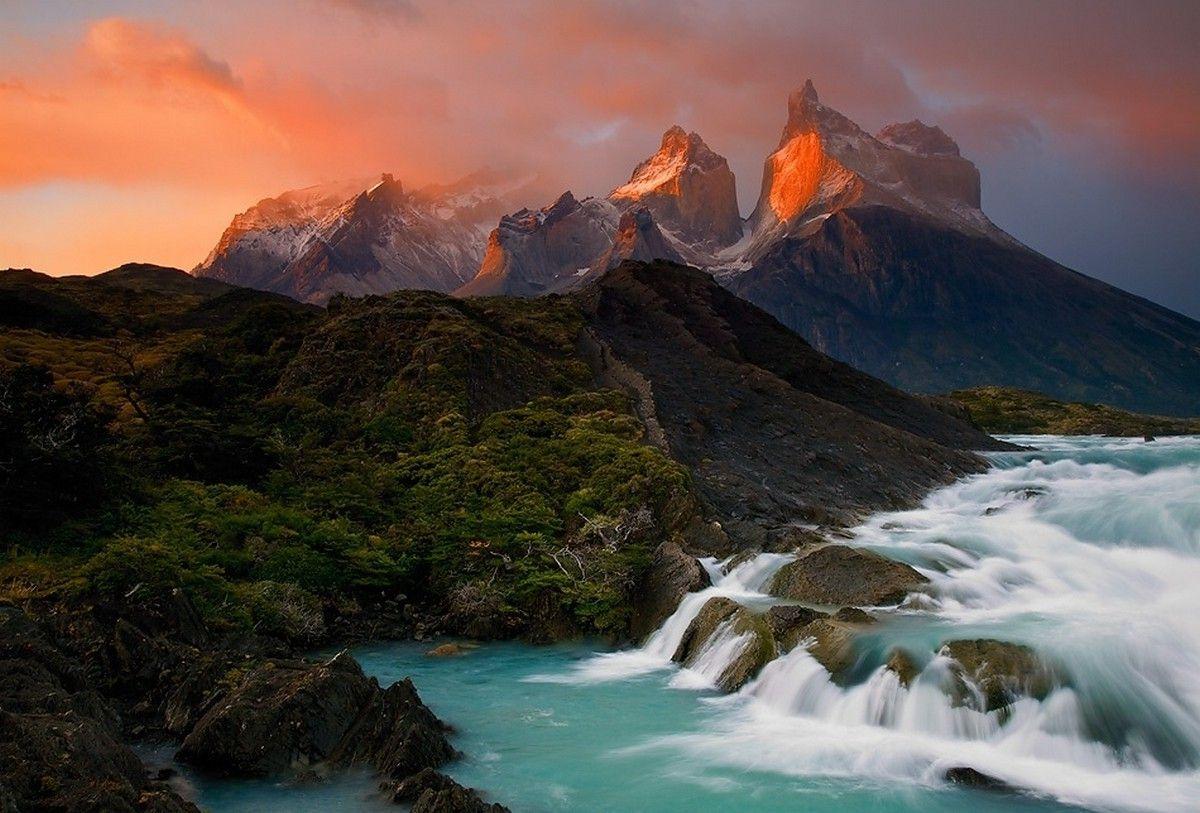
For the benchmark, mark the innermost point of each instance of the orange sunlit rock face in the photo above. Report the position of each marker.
(802, 174)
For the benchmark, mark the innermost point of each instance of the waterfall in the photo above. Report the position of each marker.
(1086, 552)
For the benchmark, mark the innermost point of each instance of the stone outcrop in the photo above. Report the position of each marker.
(431, 792)
(673, 573)
(841, 575)
(295, 716)
(61, 743)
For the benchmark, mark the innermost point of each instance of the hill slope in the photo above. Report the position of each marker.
(1011, 411)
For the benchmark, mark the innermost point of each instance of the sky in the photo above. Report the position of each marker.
(133, 130)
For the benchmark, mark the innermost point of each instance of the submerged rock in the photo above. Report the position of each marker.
(429, 791)
(449, 650)
(971, 778)
(289, 716)
(992, 673)
(719, 617)
(841, 575)
(673, 573)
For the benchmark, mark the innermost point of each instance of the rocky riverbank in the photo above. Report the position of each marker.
(78, 685)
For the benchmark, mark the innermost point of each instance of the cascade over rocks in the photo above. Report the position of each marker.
(722, 618)
(990, 674)
(672, 574)
(841, 575)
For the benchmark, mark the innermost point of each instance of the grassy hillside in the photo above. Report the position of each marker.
(288, 466)
(1004, 410)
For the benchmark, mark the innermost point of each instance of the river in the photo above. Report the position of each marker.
(1086, 550)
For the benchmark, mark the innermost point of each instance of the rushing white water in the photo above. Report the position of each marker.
(743, 583)
(1087, 551)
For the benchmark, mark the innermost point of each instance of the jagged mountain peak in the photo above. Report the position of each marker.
(688, 187)
(826, 163)
(363, 236)
(638, 237)
(920, 138)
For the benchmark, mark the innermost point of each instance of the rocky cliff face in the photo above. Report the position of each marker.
(536, 252)
(688, 188)
(772, 430)
(825, 163)
(361, 238)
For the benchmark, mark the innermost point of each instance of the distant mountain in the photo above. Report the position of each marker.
(358, 238)
(876, 251)
(873, 247)
(689, 190)
(551, 249)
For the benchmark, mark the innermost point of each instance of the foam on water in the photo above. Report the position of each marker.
(1087, 551)
(1093, 564)
(743, 583)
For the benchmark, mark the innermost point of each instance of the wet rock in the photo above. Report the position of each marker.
(991, 674)
(971, 778)
(449, 650)
(854, 615)
(71, 762)
(833, 644)
(841, 575)
(434, 792)
(787, 621)
(672, 574)
(285, 716)
(722, 615)
(902, 665)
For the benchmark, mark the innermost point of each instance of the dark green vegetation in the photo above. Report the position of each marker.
(931, 309)
(492, 467)
(1004, 410)
(281, 463)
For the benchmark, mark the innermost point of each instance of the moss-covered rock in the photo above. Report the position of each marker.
(720, 616)
(999, 670)
(841, 575)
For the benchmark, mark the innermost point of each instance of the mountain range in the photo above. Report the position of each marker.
(874, 248)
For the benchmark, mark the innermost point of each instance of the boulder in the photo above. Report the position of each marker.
(841, 575)
(722, 615)
(72, 762)
(672, 574)
(449, 650)
(832, 644)
(288, 716)
(429, 791)
(998, 670)
(787, 621)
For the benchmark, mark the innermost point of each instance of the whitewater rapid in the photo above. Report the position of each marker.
(1087, 551)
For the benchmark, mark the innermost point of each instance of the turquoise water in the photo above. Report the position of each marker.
(1087, 550)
